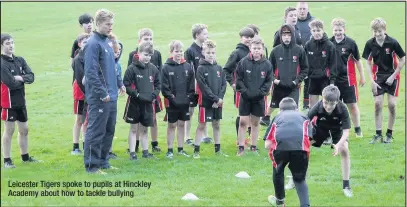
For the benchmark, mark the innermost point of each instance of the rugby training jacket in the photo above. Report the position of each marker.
(12, 91)
(212, 83)
(79, 72)
(240, 52)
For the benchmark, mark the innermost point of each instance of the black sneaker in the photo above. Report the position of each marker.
(112, 155)
(148, 156)
(265, 121)
(376, 138)
(32, 159)
(156, 149)
(133, 156)
(206, 140)
(189, 142)
(9, 164)
(389, 139)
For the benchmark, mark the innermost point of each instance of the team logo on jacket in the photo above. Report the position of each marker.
(387, 51)
(323, 53)
(151, 79)
(186, 73)
(294, 59)
(343, 50)
(218, 73)
(263, 74)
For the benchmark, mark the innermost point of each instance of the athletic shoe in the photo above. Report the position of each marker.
(189, 142)
(9, 164)
(255, 151)
(133, 156)
(389, 139)
(240, 152)
(111, 168)
(265, 121)
(348, 192)
(148, 156)
(98, 172)
(221, 153)
(376, 138)
(290, 184)
(112, 156)
(156, 149)
(328, 141)
(32, 159)
(359, 134)
(206, 140)
(76, 152)
(305, 109)
(273, 201)
(169, 155)
(196, 155)
(182, 152)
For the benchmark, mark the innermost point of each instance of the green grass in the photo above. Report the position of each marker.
(44, 33)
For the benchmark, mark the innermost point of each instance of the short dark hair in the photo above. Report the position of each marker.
(246, 32)
(254, 27)
(4, 37)
(85, 19)
(287, 103)
(331, 93)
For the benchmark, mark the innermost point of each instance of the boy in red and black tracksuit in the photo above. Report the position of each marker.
(212, 83)
(290, 67)
(288, 138)
(178, 89)
(142, 81)
(15, 73)
(241, 51)
(254, 78)
(322, 57)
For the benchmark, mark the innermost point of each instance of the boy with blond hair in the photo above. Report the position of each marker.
(192, 55)
(146, 35)
(242, 50)
(178, 88)
(79, 93)
(254, 78)
(143, 86)
(384, 59)
(212, 84)
(348, 56)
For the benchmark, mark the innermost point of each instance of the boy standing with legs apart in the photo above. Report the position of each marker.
(330, 118)
(254, 78)
(287, 137)
(146, 35)
(192, 55)
(15, 73)
(321, 59)
(384, 58)
(178, 88)
(242, 49)
(143, 86)
(348, 56)
(79, 92)
(212, 83)
(290, 67)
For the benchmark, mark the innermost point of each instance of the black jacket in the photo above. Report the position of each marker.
(193, 54)
(254, 78)
(289, 63)
(229, 69)
(322, 57)
(142, 82)
(78, 71)
(296, 37)
(155, 59)
(12, 91)
(212, 83)
(177, 83)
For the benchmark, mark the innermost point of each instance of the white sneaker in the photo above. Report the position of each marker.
(348, 192)
(290, 184)
(273, 201)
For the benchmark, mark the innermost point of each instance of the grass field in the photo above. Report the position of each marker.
(43, 34)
